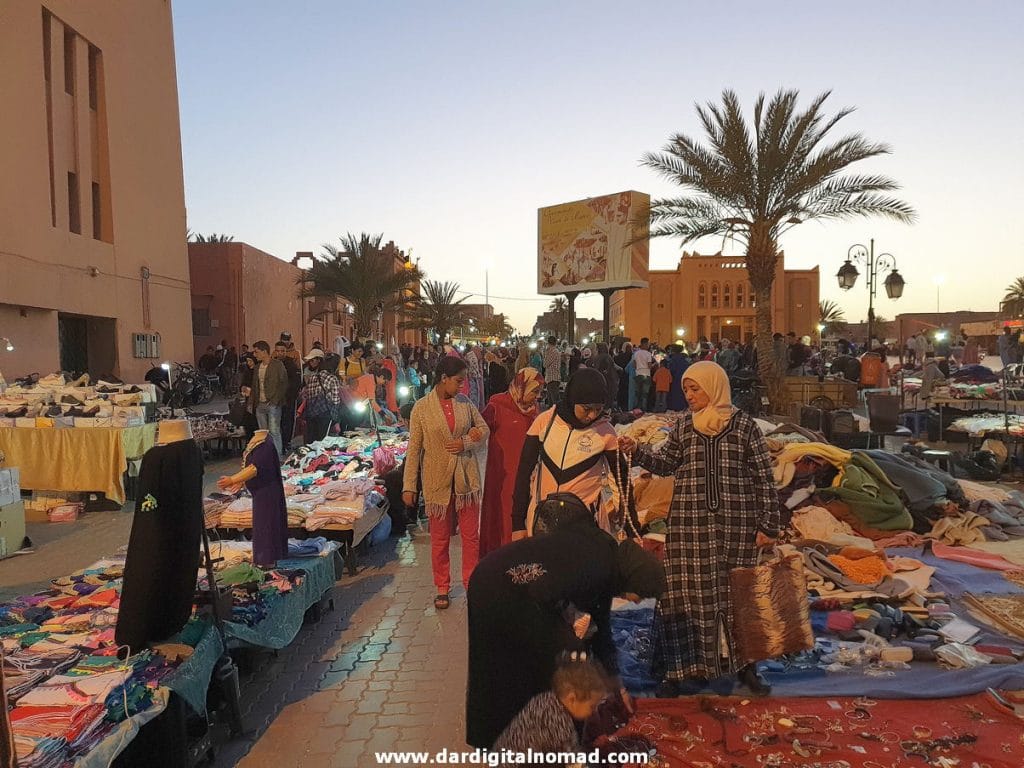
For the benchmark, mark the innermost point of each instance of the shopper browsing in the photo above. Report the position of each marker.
(644, 361)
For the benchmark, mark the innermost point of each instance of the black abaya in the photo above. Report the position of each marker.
(516, 625)
(163, 552)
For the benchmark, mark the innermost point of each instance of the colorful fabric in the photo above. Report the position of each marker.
(527, 381)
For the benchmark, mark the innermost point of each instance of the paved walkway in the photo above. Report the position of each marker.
(383, 671)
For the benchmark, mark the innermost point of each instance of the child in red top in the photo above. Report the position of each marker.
(662, 384)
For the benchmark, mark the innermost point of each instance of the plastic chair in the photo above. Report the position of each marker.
(883, 417)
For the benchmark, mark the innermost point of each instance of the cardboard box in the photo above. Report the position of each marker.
(12, 528)
(10, 486)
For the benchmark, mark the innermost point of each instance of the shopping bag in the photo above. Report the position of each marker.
(770, 613)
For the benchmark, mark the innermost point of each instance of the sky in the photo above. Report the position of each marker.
(446, 125)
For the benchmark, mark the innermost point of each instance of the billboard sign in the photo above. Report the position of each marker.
(584, 246)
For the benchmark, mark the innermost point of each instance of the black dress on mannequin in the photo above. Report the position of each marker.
(164, 548)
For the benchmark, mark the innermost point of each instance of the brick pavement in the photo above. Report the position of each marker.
(383, 671)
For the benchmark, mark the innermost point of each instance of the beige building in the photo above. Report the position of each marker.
(710, 297)
(92, 208)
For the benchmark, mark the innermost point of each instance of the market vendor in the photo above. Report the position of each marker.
(724, 507)
(536, 598)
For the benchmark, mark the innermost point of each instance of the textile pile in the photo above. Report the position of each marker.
(212, 426)
(331, 482)
(68, 687)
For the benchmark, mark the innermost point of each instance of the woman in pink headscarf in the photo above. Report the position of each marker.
(509, 415)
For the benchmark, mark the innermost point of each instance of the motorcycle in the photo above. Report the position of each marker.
(189, 387)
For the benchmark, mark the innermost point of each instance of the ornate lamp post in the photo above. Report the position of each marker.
(884, 262)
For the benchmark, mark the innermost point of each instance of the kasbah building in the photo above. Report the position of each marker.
(710, 297)
(92, 231)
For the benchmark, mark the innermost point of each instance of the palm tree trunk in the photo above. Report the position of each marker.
(767, 368)
(762, 256)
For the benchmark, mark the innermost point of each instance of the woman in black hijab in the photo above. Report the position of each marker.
(530, 600)
(570, 448)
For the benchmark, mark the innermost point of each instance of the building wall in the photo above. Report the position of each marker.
(251, 295)
(711, 297)
(120, 131)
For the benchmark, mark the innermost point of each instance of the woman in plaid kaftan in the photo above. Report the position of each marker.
(724, 496)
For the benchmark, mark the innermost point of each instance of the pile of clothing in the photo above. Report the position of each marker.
(211, 426)
(68, 687)
(984, 423)
(336, 481)
(651, 430)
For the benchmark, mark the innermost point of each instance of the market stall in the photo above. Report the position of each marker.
(79, 699)
(905, 600)
(76, 460)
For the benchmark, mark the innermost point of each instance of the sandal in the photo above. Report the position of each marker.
(441, 602)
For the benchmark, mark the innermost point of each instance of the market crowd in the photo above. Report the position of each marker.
(514, 449)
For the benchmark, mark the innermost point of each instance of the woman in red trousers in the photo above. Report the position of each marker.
(509, 415)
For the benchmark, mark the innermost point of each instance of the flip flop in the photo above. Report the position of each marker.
(441, 602)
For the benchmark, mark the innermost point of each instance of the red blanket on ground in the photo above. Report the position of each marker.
(695, 732)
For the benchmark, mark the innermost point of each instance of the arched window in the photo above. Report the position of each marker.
(702, 295)
(714, 295)
(741, 296)
(753, 299)
(727, 296)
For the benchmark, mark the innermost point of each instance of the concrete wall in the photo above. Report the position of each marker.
(34, 335)
(129, 145)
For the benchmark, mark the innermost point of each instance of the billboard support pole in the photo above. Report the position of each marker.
(571, 298)
(606, 296)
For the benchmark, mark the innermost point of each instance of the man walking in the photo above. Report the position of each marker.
(282, 353)
(553, 370)
(643, 360)
(268, 392)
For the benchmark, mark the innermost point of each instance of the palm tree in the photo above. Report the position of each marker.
(1013, 301)
(362, 273)
(439, 310)
(831, 315)
(195, 237)
(559, 310)
(496, 325)
(753, 182)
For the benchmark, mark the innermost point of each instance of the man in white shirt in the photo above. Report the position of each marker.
(643, 360)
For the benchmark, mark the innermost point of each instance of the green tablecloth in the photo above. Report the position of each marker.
(285, 612)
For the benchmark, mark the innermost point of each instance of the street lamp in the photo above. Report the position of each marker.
(8, 344)
(938, 280)
(848, 274)
(680, 332)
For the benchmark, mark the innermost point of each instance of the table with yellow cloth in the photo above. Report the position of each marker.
(81, 459)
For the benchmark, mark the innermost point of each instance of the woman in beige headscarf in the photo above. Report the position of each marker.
(724, 508)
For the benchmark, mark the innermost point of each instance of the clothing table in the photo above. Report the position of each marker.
(87, 460)
(285, 614)
(977, 404)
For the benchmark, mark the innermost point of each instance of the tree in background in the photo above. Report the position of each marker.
(362, 273)
(1013, 301)
(438, 311)
(752, 182)
(195, 237)
(831, 315)
(559, 310)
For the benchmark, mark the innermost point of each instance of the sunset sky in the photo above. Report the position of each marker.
(446, 125)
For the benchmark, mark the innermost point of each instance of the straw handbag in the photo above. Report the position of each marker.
(770, 614)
